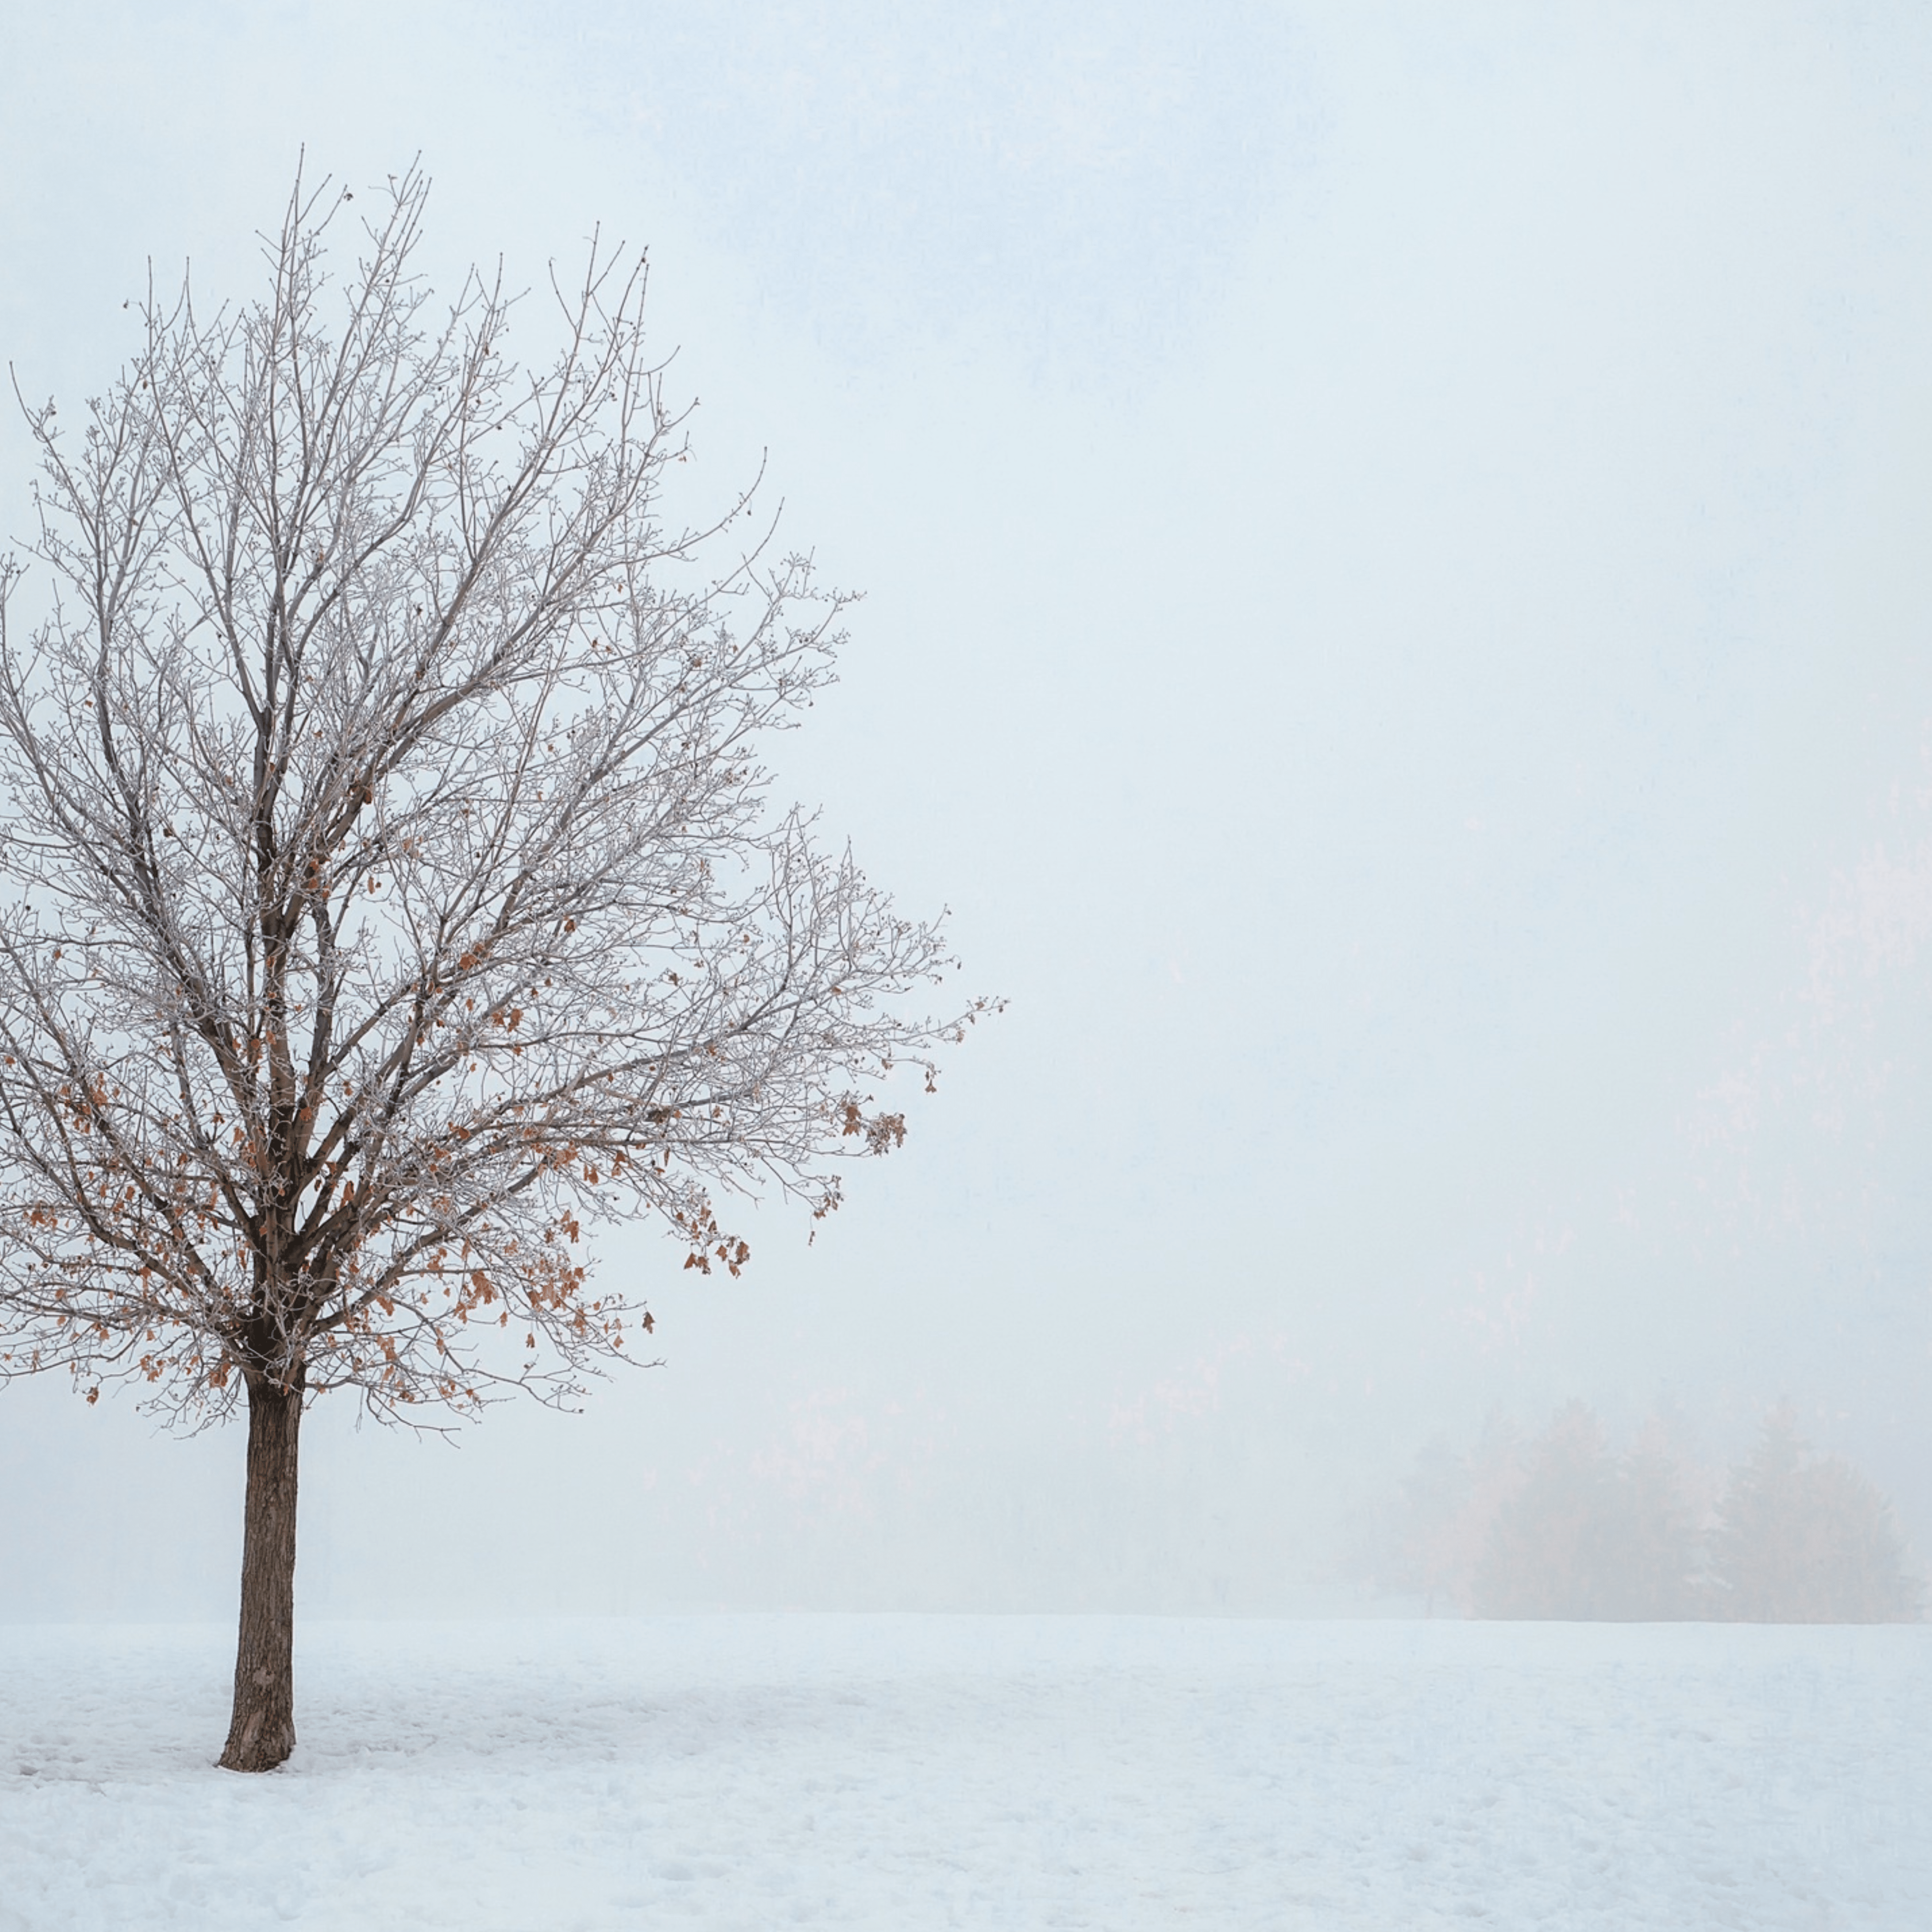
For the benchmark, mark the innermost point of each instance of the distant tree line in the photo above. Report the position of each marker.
(1561, 1524)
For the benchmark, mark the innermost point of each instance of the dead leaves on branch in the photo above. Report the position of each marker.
(881, 1132)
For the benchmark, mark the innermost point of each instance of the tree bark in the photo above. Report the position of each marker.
(262, 1732)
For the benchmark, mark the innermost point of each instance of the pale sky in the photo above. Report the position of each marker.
(1397, 621)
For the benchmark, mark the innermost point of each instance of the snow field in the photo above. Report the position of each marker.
(906, 1772)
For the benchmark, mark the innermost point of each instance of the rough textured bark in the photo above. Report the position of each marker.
(262, 1732)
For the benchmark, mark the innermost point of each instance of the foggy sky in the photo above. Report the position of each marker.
(1397, 620)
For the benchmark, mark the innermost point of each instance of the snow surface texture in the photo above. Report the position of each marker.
(905, 1772)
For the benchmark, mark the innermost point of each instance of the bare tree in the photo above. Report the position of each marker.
(391, 890)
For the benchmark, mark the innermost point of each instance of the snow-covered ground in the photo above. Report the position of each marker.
(904, 1772)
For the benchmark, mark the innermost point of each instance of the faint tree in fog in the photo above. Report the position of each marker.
(391, 893)
(1549, 1544)
(1430, 1541)
(1590, 1534)
(1658, 1575)
(1801, 1539)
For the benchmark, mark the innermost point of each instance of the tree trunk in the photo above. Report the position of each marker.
(262, 1732)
